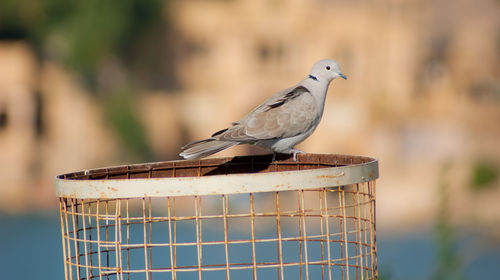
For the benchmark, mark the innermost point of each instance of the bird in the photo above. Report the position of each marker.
(278, 124)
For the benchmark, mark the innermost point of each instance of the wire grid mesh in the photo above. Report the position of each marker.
(327, 232)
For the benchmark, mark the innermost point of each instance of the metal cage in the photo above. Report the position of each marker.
(241, 218)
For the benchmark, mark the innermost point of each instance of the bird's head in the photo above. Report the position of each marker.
(326, 69)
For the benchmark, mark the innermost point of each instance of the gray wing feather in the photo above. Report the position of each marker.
(286, 114)
(204, 148)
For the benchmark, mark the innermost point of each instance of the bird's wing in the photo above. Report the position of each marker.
(286, 114)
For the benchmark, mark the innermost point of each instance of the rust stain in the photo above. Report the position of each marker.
(329, 176)
(113, 189)
(103, 195)
(371, 175)
(157, 179)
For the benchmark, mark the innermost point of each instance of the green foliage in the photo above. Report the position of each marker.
(80, 33)
(449, 263)
(120, 114)
(83, 35)
(484, 175)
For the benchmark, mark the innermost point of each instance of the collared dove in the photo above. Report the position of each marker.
(279, 123)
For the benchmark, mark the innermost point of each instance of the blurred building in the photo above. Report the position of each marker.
(48, 125)
(17, 114)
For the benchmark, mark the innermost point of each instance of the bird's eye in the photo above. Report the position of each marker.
(327, 67)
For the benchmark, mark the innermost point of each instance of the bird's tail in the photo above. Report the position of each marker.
(204, 148)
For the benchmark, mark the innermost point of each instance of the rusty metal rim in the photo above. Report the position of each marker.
(217, 184)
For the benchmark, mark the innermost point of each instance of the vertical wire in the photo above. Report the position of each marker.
(252, 218)
(346, 244)
(374, 240)
(201, 231)
(322, 236)
(301, 238)
(303, 215)
(128, 239)
(118, 239)
(76, 237)
(371, 228)
(171, 244)
(374, 183)
(150, 239)
(359, 248)
(61, 211)
(128, 236)
(366, 226)
(197, 209)
(146, 265)
(78, 234)
(85, 241)
(341, 222)
(327, 234)
(107, 237)
(90, 238)
(278, 233)
(99, 257)
(224, 211)
(69, 241)
(356, 229)
(175, 236)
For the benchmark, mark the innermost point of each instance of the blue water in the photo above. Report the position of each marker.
(30, 248)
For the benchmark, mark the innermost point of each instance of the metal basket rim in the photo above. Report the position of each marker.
(108, 188)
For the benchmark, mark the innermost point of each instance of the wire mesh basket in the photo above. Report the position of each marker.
(241, 218)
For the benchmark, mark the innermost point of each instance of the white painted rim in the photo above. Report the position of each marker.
(217, 184)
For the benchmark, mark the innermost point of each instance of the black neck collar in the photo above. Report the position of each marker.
(312, 77)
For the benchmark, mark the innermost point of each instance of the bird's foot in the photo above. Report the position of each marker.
(274, 157)
(295, 152)
(292, 152)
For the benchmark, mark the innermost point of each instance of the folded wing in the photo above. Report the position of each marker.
(286, 114)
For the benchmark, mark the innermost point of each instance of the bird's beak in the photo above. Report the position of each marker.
(342, 76)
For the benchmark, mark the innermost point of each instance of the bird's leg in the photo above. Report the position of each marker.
(274, 157)
(295, 152)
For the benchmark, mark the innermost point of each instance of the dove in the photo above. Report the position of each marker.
(278, 124)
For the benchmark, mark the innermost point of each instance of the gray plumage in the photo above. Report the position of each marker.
(279, 123)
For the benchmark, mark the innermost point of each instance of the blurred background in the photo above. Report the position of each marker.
(86, 84)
